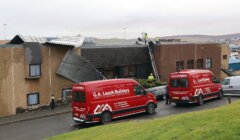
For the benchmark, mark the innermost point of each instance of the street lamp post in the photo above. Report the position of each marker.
(5, 31)
(124, 32)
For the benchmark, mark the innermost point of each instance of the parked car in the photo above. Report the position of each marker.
(104, 100)
(159, 92)
(193, 86)
(231, 86)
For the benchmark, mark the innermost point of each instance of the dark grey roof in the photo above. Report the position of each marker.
(77, 68)
(116, 56)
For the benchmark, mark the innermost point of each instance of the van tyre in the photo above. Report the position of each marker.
(106, 117)
(220, 94)
(150, 108)
(200, 100)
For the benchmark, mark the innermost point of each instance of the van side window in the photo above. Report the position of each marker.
(138, 90)
(226, 82)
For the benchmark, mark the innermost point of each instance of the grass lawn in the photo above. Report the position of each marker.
(221, 123)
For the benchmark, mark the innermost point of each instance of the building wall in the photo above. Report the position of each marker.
(14, 86)
(166, 56)
(6, 88)
(225, 51)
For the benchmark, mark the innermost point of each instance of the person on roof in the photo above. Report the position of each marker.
(145, 37)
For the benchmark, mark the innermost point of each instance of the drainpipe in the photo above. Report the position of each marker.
(50, 71)
(13, 85)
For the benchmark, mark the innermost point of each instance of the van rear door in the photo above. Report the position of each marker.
(79, 104)
(179, 87)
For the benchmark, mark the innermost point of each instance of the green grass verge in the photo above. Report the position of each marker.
(220, 123)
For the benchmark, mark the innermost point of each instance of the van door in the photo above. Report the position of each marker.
(140, 97)
(79, 104)
(226, 86)
(235, 86)
(215, 85)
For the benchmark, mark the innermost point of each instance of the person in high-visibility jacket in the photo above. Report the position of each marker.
(145, 37)
(150, 77)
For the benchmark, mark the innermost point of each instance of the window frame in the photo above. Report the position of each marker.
(225, 57)
(38, 98)
(190, 64)
(200, 64)
(179, 65)
(39, 70)
(208, 64)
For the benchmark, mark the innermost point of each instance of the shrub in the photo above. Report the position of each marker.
(150, 83)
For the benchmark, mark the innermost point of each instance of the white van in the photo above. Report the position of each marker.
(231, 86)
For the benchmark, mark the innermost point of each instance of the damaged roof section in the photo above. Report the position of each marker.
(19, 39)
(32, 53)
(77, 69)
(114, 56)
(67, 41)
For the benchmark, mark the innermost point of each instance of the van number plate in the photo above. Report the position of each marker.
(175, 98)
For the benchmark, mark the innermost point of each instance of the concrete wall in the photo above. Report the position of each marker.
(14, 84)
(166, 56)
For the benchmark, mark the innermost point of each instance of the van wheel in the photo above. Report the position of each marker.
(106, 117)
(150, 108)
(220, 94)
(200, 100)
(178, 104)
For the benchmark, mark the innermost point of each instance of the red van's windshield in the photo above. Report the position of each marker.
(79, 97)
(179, 83)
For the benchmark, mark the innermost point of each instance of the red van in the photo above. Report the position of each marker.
(193, 86)
(104, 100)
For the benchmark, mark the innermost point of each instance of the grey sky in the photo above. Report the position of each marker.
(107, 18)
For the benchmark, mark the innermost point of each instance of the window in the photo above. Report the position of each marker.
(179, 83)
(200, 63)
(226, 82)
(34, 70)
(208, 62)
(224, 57)
(138, 90)
(179, 65)
(32, 99)
(131, 70)
(79, 96)
(190, 64)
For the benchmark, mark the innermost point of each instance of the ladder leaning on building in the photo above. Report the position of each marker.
(150, 47)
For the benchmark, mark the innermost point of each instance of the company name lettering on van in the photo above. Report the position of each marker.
(201, 80)
(111, 93)
(179, 76)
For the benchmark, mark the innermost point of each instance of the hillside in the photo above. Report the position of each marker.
(204, 38)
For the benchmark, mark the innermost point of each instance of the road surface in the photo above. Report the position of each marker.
(50, 126)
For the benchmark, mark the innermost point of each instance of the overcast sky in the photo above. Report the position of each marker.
(107, 18)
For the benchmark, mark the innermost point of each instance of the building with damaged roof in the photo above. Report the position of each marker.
(34, 68)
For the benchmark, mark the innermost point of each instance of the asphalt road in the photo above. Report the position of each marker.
(50, 126)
